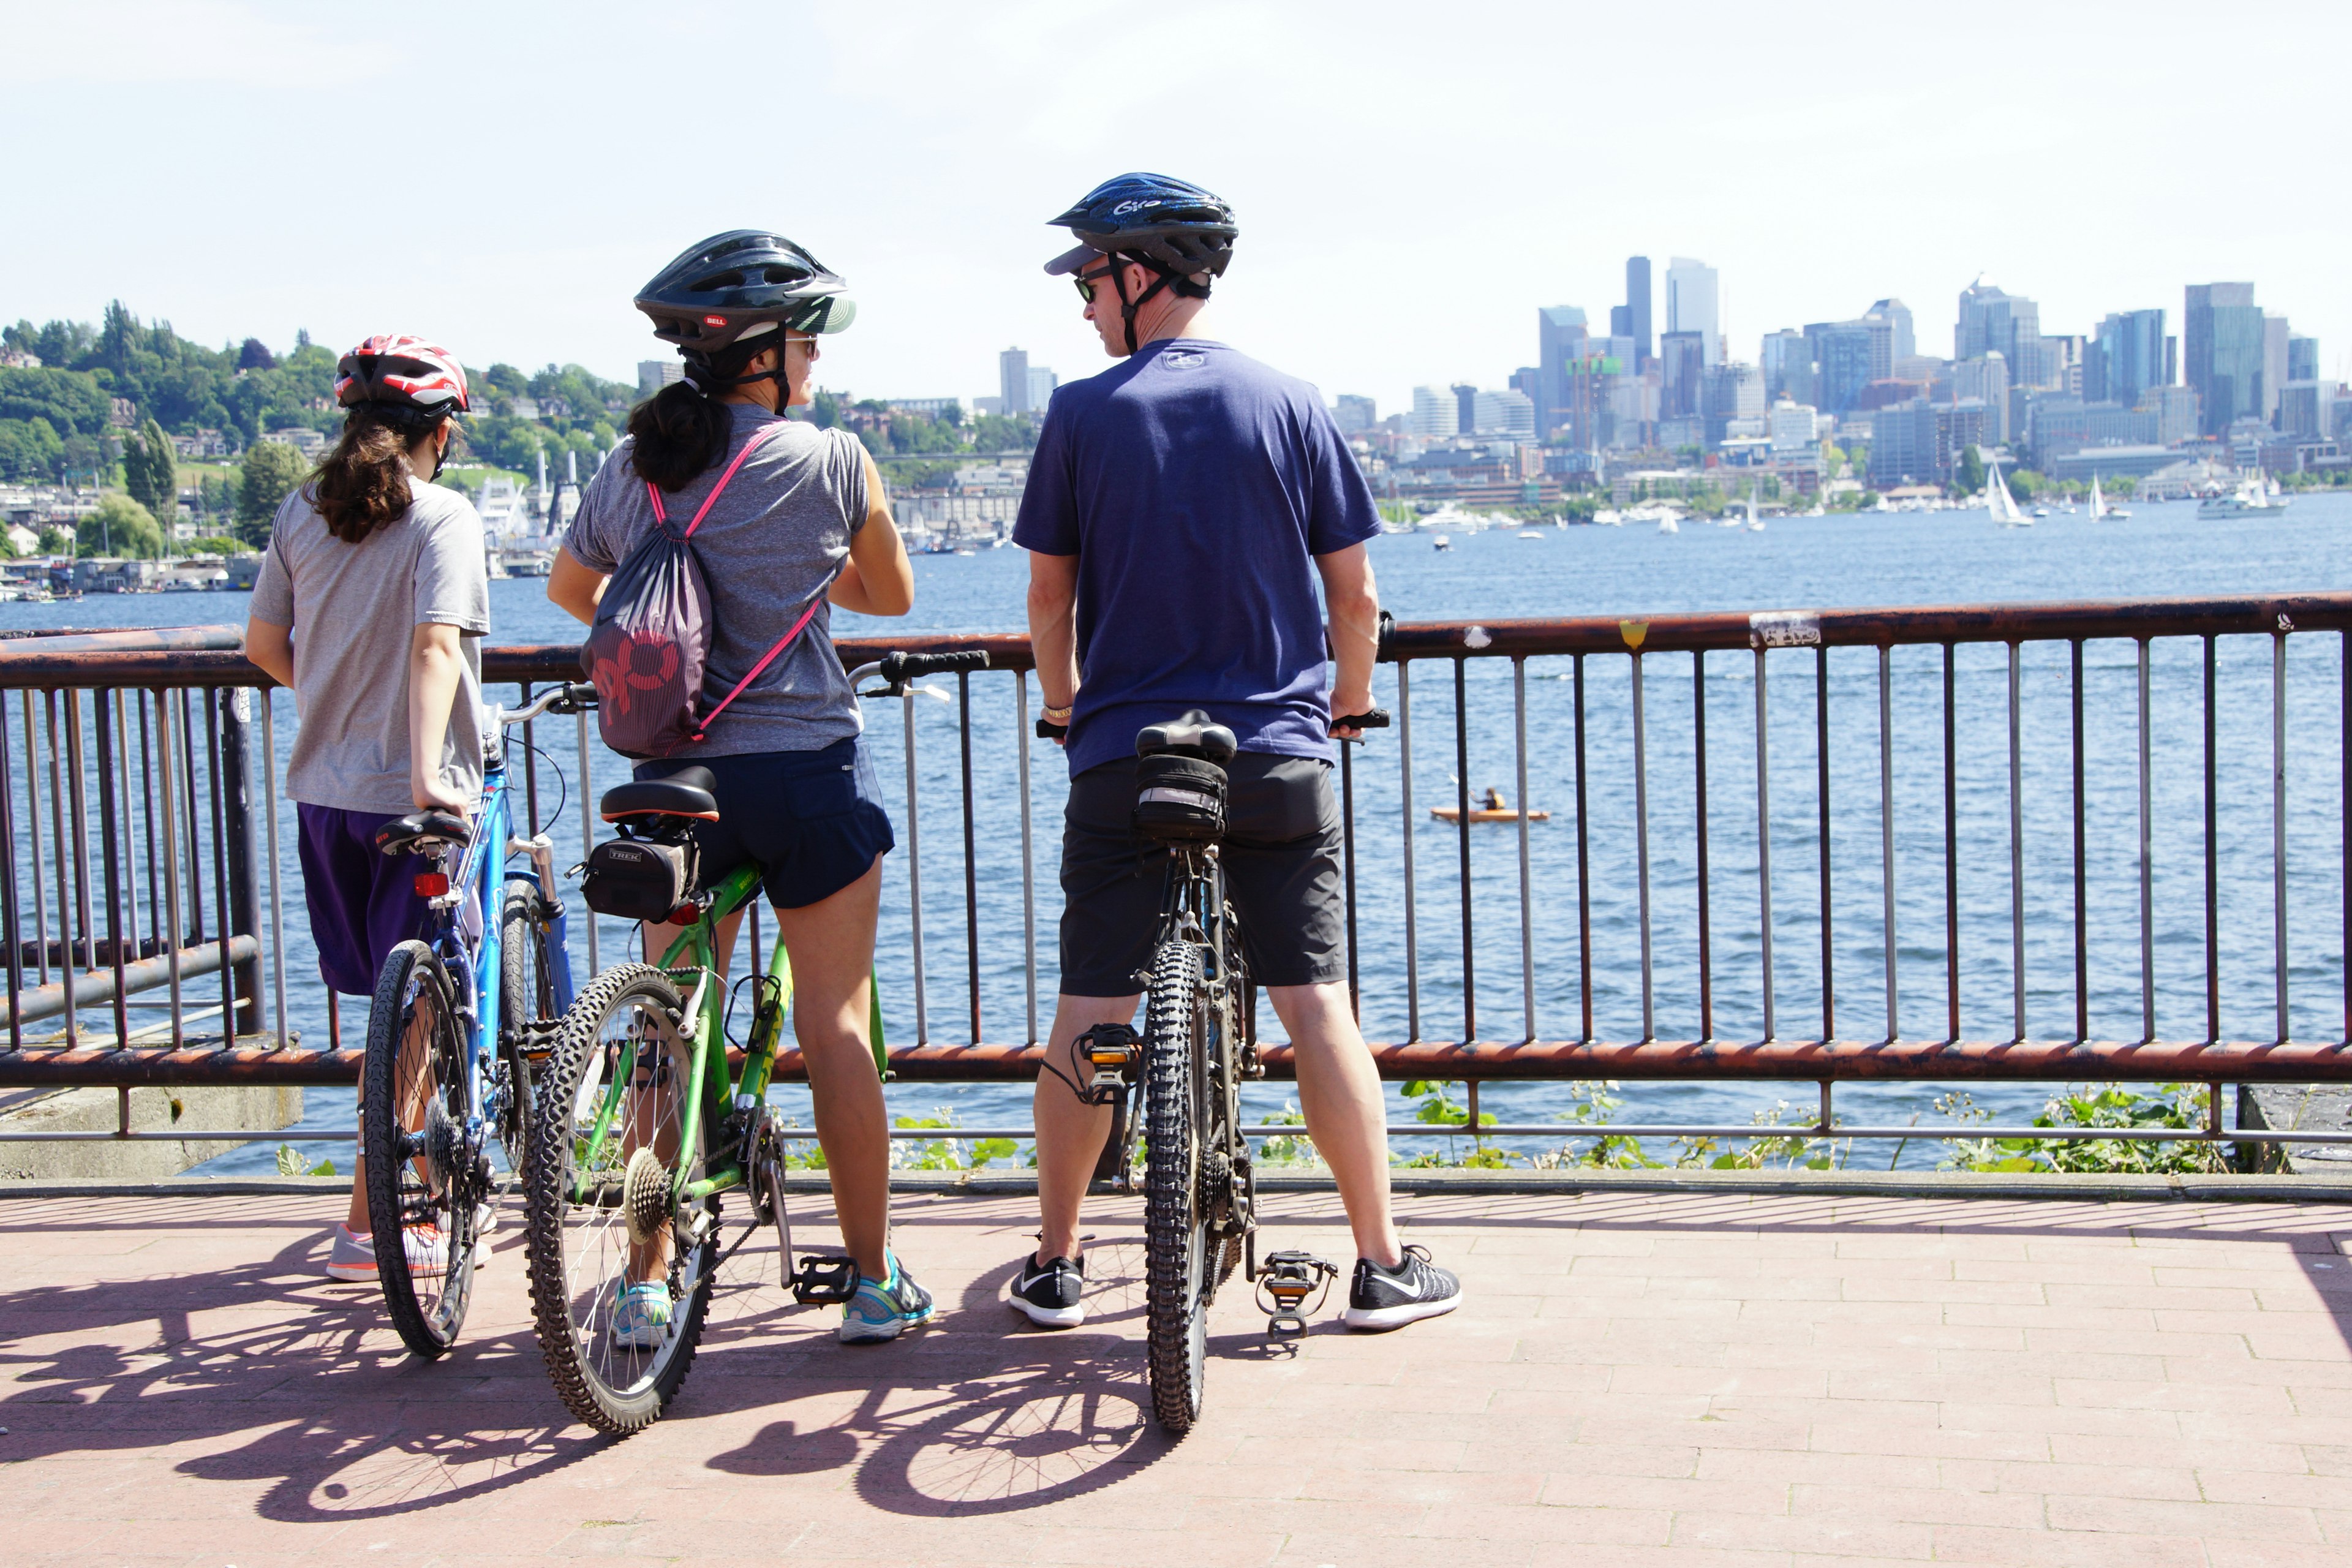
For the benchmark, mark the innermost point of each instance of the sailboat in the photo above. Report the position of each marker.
(1999, 505)
(1755, 523)
(2099, 506)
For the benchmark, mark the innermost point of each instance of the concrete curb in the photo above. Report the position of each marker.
(2006, 1186)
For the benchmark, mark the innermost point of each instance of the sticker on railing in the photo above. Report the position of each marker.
(1477, 638)
(1785, 628)
(1633, 632)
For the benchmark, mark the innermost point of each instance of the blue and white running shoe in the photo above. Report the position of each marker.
(883, 1310)
(640, 1315)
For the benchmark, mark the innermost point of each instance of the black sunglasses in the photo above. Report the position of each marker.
(1085, 280)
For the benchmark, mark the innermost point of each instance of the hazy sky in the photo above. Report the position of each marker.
(1411, 180)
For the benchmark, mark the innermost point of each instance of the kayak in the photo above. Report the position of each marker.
(1453, 813)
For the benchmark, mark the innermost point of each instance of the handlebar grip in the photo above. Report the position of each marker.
(897, 668)
(1048, 731)
(1378, 719)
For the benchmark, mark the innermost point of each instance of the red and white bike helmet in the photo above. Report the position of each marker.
(403, 370)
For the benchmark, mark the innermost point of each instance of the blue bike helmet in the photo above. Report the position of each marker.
(1177, 231)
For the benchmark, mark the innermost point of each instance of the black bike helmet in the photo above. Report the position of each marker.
(1179, 231)
(744, 283)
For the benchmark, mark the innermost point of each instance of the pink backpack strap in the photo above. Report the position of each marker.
(703, 724)
(653, 491)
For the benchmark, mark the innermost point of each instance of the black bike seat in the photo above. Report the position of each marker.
(1194, 734)
(421, 830)
(685, 792)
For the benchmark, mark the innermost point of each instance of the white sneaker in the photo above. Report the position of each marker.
(353, 1257)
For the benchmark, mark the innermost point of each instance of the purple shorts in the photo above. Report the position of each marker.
(362, 902)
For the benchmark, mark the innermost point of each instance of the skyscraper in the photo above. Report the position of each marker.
(1691, 304)
(1560, 336)
(2274, 357)
(1843, 352)
(1787, 360)
(1991, 319)
(1893, 320)
(1435, 412)
(1637, 309)
(2125, 358)
(1465, 404)
(2302, 359)
(2221, 353)
(1012, 380)
(1682, 359)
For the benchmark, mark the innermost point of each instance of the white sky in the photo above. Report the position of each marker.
(1412, 181)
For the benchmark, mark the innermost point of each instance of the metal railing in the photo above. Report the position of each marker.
(161, 739)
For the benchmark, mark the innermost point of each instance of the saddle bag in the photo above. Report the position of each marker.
(1179, 799)
(638, 880)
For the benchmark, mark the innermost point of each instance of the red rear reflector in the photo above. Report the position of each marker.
(432, 884)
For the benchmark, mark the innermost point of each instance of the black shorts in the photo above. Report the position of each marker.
(813, 820)
(1281, 857)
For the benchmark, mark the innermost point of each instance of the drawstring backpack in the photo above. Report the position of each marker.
(650, 641)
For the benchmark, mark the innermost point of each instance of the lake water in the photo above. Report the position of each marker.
(1798, 562)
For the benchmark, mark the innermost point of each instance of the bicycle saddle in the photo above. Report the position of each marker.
(423, 830)
(685, 792)
(1195, 734)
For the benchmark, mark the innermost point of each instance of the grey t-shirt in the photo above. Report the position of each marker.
(354, 609)
(777, 538)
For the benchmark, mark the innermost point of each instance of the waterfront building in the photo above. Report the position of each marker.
(2305, 407)
(2221, 353)
(1733, 393)
(1560, 337)
(2174, 409)
(1012, 380)
(1692, 305)
(1903, 445)
(1041, 383)
(1436, 413)
(1354, 415)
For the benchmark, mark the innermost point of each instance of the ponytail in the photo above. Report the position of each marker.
(363, 484)
(679, 432)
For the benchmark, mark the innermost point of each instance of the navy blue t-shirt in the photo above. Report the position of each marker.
(1195, 486)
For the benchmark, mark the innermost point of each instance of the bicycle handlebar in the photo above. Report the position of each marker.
(1378, 719)
(566, 697)
(899, 667)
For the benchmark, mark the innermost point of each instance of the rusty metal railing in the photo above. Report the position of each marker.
(79, 701)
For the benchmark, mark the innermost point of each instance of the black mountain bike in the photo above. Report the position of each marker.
(1179, 1083)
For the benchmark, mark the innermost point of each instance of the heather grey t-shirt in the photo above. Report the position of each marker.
(777, 538)
(354, 609)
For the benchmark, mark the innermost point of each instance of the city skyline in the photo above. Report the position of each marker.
(927, 148)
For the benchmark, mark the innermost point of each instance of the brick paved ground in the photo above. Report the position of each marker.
(1639, 1379)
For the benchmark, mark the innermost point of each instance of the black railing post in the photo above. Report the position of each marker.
(235, 789)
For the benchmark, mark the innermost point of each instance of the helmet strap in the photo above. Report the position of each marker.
(1126, 307)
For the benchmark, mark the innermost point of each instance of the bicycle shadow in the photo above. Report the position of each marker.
(1042, 1417)
(301, 1390)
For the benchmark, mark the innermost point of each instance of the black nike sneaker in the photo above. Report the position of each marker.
(1415, 1288)
(1049, 1291)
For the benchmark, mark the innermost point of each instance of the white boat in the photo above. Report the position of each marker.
(1607, 517)
(2042, 512)
(2099, 506)
(1444, 542)
(1666, 524)
(1999, 505)
(1755, 523)
(2254, 497)
(1529, 532)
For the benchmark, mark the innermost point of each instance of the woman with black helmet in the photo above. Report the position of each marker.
(796, 520)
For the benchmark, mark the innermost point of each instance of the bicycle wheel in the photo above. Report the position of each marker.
(610, 1251)
(1175, 1230)
(422, 1182)
(526, 996)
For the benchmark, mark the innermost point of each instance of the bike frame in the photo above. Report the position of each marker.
(479, 963)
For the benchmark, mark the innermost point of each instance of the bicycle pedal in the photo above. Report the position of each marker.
(1287, 1280)
(1112, 1050)
(824, 1280)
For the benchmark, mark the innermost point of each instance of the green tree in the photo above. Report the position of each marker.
(55, 541)
(270, 471)
(1969, 478)
(152, 470)
(120, 526)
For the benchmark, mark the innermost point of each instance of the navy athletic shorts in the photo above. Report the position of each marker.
(812, 820)
(1281, 856)
(362, 902)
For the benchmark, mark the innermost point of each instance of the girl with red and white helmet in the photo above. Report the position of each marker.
(371, 604)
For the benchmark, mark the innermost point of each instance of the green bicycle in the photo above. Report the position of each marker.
(639, 1129)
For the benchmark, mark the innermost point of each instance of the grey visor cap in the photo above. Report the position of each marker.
(1073, 259)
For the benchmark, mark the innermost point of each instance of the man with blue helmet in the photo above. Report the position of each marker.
(1181, 507)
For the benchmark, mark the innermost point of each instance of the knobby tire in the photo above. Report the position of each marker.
(1176, 1260)
(552, 1245)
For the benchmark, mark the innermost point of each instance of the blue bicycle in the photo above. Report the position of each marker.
(460, 1016)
